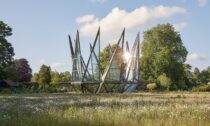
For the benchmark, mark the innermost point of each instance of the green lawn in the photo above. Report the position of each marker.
(146, 109)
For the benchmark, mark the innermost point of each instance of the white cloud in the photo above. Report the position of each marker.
(202, 3)
(196, 57)
(181, 26)
(85, 19)
(117, 19)
(57, 65)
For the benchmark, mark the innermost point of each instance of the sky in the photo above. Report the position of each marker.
(40, 27)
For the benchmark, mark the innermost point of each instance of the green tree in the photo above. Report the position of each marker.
(60, 77)
(163, 52)
(44, 76)
(65, 76)
(196, 75)
(204, 76)
(208, 69)
(35, 77)
(55, 77)
(164, 81)
(188, 76)
(11, 73)
(6, 49)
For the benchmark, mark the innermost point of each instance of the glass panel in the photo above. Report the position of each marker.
(93, 68)
(115, 71)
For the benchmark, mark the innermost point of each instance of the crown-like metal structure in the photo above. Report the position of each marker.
(120, 75)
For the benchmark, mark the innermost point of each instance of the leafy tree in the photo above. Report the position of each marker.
(163, 52)
(208, 69)
(60, 77)
(5, 30)
(23, 70)
(204, 76)
(65, 76)
(6, 49)
(11, 73)
(164, 81)
(35, 77)
(44, 76)
(196, 75)
(55, 77)
(188, 76)
(187, 70)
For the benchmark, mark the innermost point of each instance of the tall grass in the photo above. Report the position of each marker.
(146, 109)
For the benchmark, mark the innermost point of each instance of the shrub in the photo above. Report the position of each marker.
(173, 87)
(151, 86)
(164, 81)
(6, 91)
(51, 89)
(201, 88)
(64, 89)
(182, 85)
(151, 79)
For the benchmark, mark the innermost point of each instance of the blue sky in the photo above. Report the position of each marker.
(40, 27)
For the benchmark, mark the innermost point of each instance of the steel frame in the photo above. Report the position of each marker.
(129, 77)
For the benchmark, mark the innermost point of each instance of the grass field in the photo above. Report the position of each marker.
(144, 109)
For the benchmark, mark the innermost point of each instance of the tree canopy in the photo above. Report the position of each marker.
(44, 78)
(23, 70)
(163, 53)
(6, 49)
(60, 77)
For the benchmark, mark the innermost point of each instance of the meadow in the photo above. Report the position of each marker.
(75, 109)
